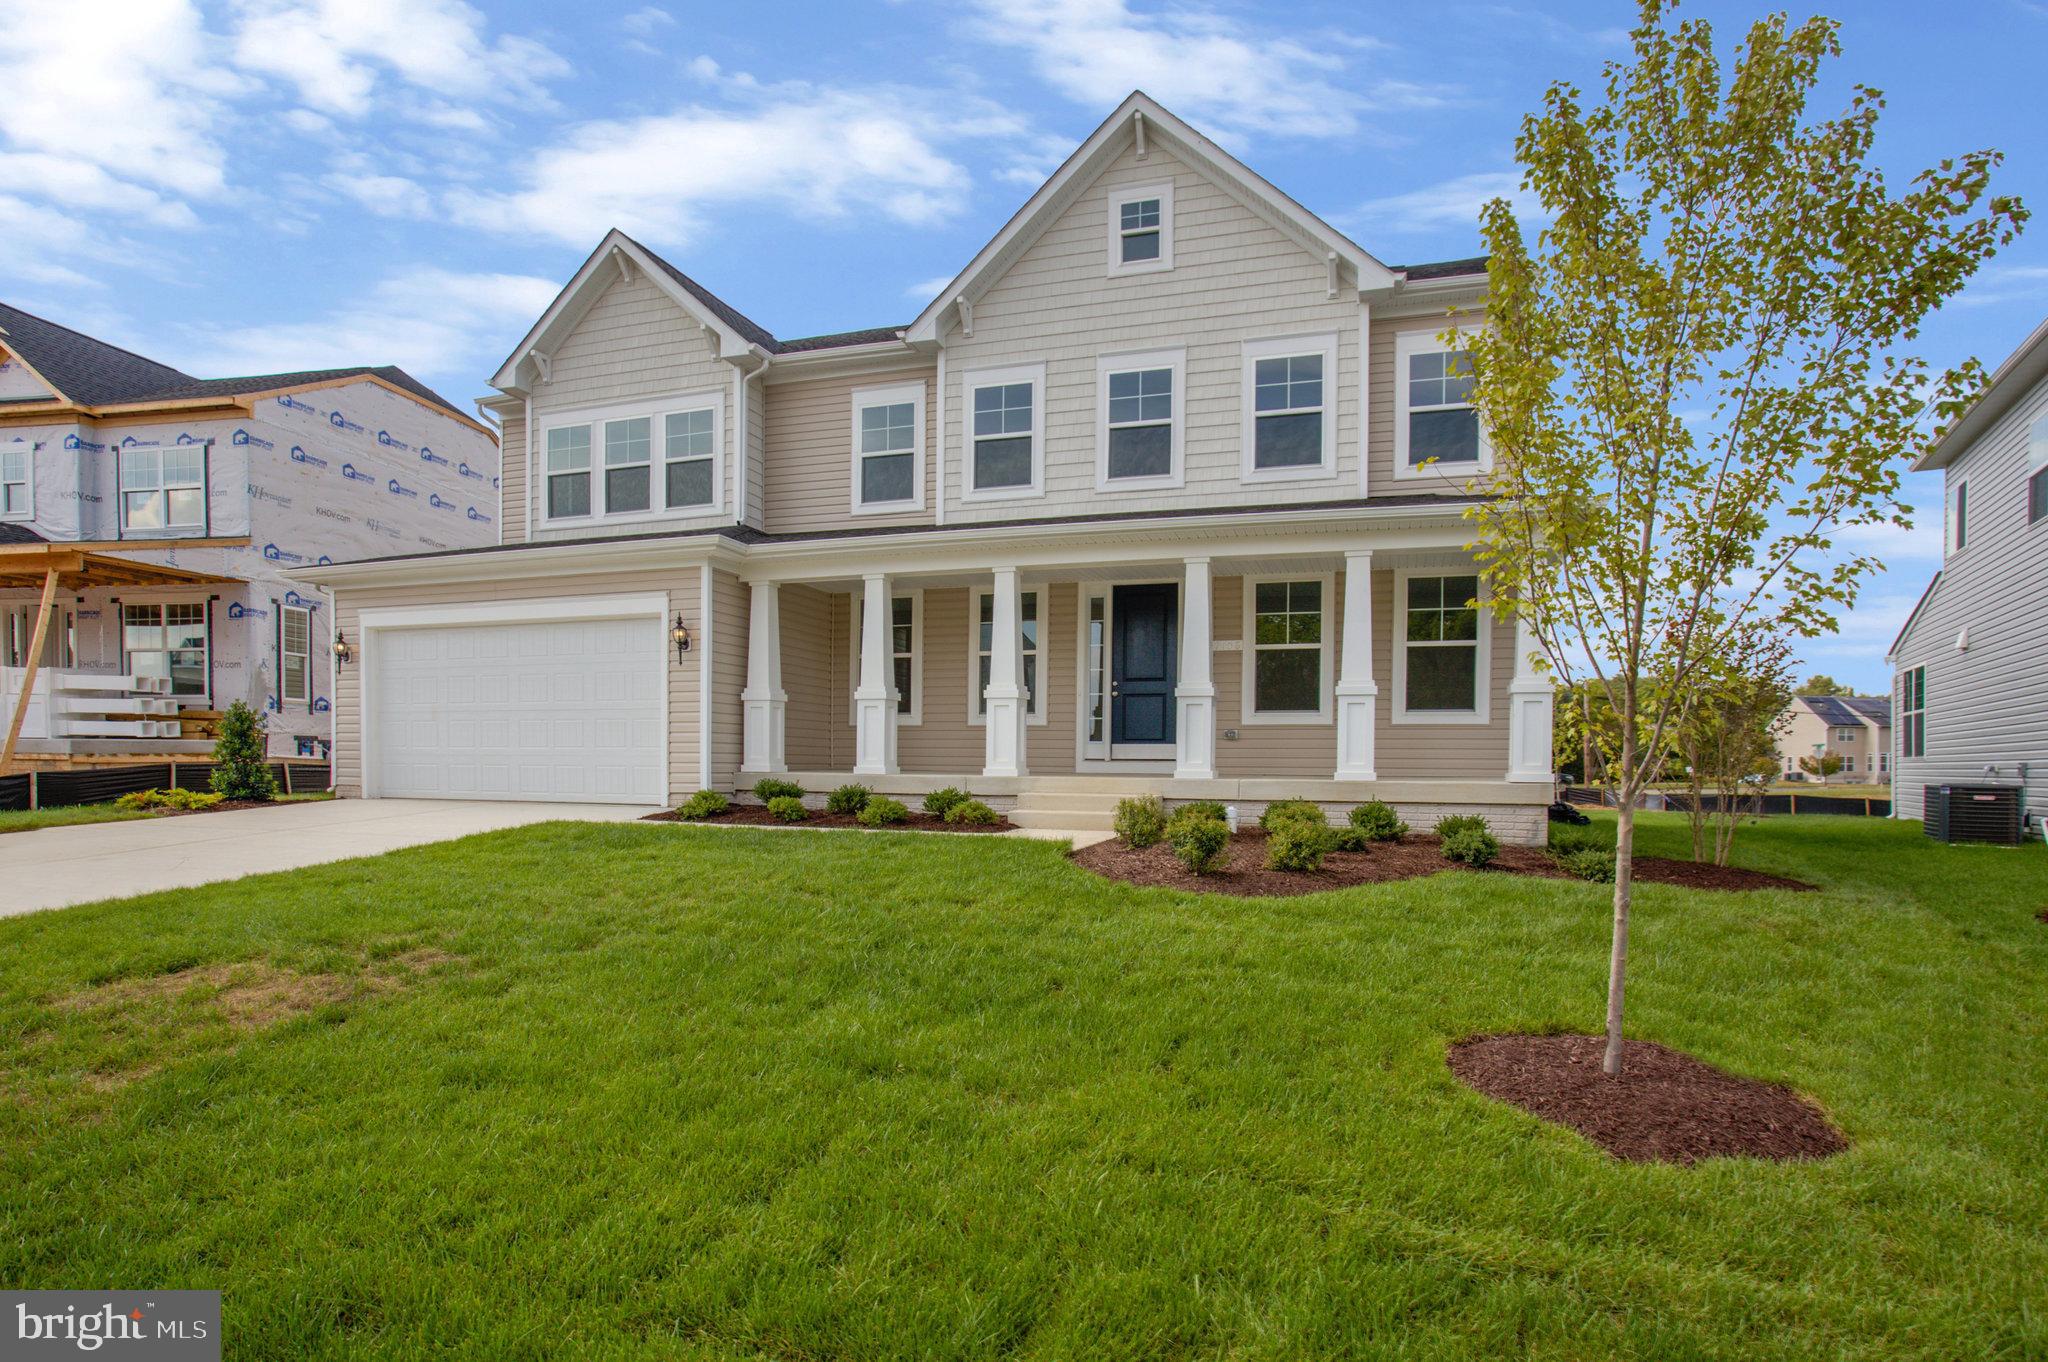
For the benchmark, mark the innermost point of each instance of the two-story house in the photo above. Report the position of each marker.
(1856, 728)
(1164, 491)
(1970, 666)
(151, 516)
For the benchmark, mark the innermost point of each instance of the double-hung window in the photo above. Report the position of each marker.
(295, 654)
(628, 464)
(163, 488)
(1441, 650)
(1913, 712)
(645, 461)
(906, 645)
(2037, 472)
(888, 448)
(568, 472)
(1436, 427)
(1140, 229)
(1141, 427)
(688, 451)
(1957, 519)
(17, 480)
(983, 642)
(1290, 423)
(18, 637)
(166, 640)
(1005, 414)
(1287, 659)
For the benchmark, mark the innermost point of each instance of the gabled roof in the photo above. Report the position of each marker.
(14, 532)
(91, 373)
(1875, 708)
(1913, 616)
(1142, 116)
(2011, 381)
(1849, 711)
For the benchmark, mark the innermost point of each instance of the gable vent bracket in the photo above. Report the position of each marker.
(624, 262)
(544, 363)
(1138, 123)
(1331, 260)
(966, 306)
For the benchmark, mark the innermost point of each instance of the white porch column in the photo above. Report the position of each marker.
(764, 700)
(1530, 697)
(1357, 695)
(1194, 729)
(874, 704)
(1003, 753)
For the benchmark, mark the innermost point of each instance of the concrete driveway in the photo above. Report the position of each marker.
(52, 867)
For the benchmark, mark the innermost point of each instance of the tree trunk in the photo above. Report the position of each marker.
(1617, 962)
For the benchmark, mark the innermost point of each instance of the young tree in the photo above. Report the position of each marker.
(1697, 375)
(239, 768)
(1729, 738)
(1822, 766)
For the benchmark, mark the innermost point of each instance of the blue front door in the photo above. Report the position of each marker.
(1143, 665)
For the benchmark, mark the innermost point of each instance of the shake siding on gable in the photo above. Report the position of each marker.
(810, 453)
(1235, 278)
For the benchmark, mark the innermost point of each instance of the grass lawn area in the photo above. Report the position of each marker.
(684, 1092)
(64, 815)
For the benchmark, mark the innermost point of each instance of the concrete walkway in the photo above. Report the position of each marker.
(52, 867)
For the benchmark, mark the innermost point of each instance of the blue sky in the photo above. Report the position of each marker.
(279, 184)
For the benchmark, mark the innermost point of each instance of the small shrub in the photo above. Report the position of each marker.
(239, 768)
(703, 804)
(1141, 821)
(181, 800)
(881, 811)
(193, 799)
(942, 801)
(1285, 810)
(788, 808)
(1206, 808)
(143, 799)
(973, 813)
(1199, 840)
(1565, 839)
(1297, 844)
(848, 799)
(768, 789)
(1377, 822)
(1348, 838)
(1467, 840)
(1588, 863)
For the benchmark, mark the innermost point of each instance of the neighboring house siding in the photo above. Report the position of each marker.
(1235, 278)
(1987, 706)
(680, 584)
(810, 453)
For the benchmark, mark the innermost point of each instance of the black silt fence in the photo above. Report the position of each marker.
(104, 784)
(1766, 805)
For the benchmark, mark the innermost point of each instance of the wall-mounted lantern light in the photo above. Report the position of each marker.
(344, 651)
(681, 634)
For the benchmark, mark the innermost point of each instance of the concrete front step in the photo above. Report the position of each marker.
(1064, 820)
(1069, 799)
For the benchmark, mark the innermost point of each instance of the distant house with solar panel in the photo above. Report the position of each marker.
(1856, 728)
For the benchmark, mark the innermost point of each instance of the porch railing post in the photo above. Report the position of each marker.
(765, 702)
(874, 704)
(1003, 739)
(1194, 695)
(1357, 694)
(1530, 698)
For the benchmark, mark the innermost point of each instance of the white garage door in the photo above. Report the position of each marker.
(560, 710)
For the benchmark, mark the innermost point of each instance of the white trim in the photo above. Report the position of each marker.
(27, 449)
(1324, 713)
(166, 530)
(284, 694)
(1364, 398)
(655, 411)
(1955, 517)
(1113, 204)
(890, 395)
(1287, 347)
(974, 379)
(1482, 667)
(915, 715)
(1036, 709)
(1176, 362)
(1407, 345)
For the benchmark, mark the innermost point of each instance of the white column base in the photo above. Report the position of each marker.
(874, 720)
(1003, 741)
(1530, 758)
(762, 742)
(1357, 706)
(1194, 734)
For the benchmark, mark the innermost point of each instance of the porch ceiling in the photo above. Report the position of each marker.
(80, 569)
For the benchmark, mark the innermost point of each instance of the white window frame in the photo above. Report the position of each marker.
(1113, 204)
(1482, 664)
(1407, 345)
(1035, 712)
(1176, 361)
(1911, 706)
(27, 482)
(205, 694)
(656, 413)
(1955, 517)
(167, 530)
(891, 395)
(1324, 713)
(1288, 347)
(2037, 466)
(285, 653)
(915, 714)
(976, 379)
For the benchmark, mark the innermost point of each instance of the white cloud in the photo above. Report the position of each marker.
(1453, 203)
(642, 26)
(337, 53)
(814, 153)
(436, 324)
(2005, 284)
(927, 289)
(1205, 66)
(80, 184)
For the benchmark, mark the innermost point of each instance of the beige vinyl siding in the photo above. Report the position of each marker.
(1382, 409)
(635, 344)
(809, 452)
(679, 583)
(757, 458)
(512, 478)
(808, 660)
(1235, 278)
(728, 676)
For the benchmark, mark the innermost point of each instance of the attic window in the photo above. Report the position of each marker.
(1140, 229)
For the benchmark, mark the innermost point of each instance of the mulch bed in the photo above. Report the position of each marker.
(1666, 1107)
(757, 815)
(1245, 874)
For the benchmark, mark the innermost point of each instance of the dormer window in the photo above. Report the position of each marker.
(1140, 229)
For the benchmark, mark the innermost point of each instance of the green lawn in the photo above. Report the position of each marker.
(714, 1093)
(64, 815)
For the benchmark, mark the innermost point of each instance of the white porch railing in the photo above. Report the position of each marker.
(76, 704)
